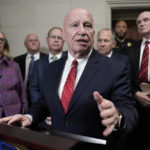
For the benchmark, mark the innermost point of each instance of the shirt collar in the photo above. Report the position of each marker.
(4, 59)
(144, 40)
(71, 58)
(58, 56)
(110, 54)
(36, 56)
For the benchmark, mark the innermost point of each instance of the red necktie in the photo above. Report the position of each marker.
(143, 73)
(69, 86)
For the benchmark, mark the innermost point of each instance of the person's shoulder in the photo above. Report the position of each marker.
(130, 42)
(43, 59)
(43, 54)
(19, 57)
(13, 64)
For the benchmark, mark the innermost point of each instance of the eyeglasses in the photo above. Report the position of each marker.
(32, 40)
(56, 37)
(2, 40)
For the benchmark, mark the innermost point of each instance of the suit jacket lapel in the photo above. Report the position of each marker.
(85, 78)
(58, 75)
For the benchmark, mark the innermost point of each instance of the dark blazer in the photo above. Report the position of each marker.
(120, 57)
(21, 60)
(101, 74)
(123, 59)
(135, 60)
(36, 81)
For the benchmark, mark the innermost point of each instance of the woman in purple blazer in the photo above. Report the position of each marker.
(12, 93)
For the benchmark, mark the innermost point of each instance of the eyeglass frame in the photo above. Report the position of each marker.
(54, 37)
(2, 40)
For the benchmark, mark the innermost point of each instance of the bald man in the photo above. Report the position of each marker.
(85, 93)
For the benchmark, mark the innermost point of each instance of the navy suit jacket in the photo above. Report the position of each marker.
(123, 59)
(101, 74)
(120, 57)
(36, 80)
(135, 61)
(21, 60)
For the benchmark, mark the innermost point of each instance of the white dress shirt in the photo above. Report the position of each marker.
(50, 56)
(28, 59)
(80, 67)
(141, 54)
(110, 54)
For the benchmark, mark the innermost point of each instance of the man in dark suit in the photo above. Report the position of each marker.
(55, 44)
(141, 88)
(101, 101)
(106, 43)
(32, 45)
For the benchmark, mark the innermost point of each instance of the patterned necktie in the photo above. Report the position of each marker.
(53, 58)
(69, 86)
(143, 73)
(31, 67)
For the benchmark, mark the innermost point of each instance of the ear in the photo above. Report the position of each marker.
(114, 44)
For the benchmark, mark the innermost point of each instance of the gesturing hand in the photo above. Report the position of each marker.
(108, 113)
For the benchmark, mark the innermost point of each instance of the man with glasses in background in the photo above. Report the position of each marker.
(55, 44)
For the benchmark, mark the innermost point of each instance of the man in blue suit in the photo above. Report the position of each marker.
(55, 44)
(101, 101)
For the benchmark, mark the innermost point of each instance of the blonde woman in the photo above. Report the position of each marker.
(12, 93)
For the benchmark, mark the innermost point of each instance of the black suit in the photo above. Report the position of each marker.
(102, 74)
(141, 136)
(21, 60)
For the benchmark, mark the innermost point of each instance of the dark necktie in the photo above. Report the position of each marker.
(143, 73)
(31, 67)
(69, 86)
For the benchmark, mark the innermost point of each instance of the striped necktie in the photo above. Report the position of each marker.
(69, 86)
(143, 73)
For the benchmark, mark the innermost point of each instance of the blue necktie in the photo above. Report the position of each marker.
(31, 67)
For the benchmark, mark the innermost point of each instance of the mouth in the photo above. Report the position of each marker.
(82, 41)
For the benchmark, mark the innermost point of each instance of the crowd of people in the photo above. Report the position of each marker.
(103, 93)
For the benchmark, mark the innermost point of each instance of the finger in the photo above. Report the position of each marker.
(15, 119)
(5, 120)
(107, 104)
(108, 121)
(108, 130)
(98, 97)
(25, 123)
(48, 118)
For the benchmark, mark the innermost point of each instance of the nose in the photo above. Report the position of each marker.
(81, 30)
(56, 39)
(101, 43)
